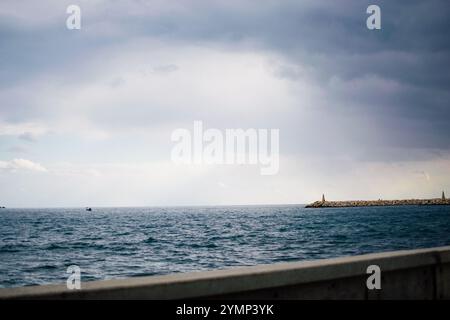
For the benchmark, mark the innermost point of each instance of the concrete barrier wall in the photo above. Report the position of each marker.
(413, 274)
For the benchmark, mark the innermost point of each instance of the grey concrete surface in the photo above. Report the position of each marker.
(412, 274)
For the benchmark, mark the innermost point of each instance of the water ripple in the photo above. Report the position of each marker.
(37, 245)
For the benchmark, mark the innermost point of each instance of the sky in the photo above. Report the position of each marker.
(86, 116)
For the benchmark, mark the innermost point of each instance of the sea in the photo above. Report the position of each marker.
(38, 245)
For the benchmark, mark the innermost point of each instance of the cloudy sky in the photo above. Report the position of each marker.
(86, 115)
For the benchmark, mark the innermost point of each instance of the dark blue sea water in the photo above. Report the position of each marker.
(37, 245)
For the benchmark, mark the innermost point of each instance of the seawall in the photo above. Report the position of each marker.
(374, 203)
(412, 274)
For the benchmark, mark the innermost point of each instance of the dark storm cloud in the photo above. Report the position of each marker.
(399, 76)
(412, 46)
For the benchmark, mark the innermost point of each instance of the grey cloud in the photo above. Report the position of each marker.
(117, 82)
(164, 69)
(393, 83)
(17, 150)
(27, 136)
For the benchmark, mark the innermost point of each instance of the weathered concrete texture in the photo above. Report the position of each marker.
(414, 274)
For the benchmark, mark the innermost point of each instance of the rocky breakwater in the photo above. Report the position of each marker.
(373, 203)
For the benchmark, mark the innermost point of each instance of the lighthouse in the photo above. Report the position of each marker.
(323, 198)
(443, 196)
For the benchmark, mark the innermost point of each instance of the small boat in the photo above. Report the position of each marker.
(88, 209)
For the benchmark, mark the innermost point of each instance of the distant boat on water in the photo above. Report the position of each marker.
(88, 209)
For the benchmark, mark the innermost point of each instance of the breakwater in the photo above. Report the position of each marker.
(372, 203)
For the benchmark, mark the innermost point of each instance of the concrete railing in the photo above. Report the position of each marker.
(413, 274)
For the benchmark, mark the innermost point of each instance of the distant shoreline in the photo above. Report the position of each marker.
(378, 203)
